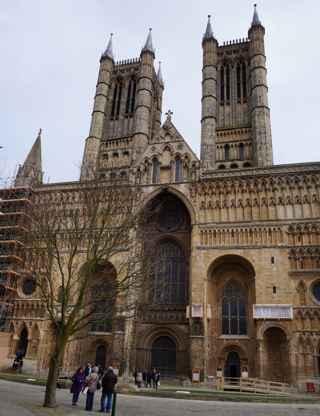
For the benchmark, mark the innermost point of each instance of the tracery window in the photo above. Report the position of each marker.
(169, 276)
(234, 321)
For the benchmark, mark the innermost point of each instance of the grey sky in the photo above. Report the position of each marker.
(50, 52)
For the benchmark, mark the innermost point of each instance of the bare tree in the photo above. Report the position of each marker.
(74, 237)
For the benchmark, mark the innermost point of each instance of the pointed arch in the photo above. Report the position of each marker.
(178, 194)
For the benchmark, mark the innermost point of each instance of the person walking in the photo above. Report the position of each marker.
(108, 383)
(157, 379)
(144, 378)
(78, 380)
(149, 378)
(153, 378)
(92, 384)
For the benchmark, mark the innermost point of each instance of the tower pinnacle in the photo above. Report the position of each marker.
(108, 53)
(159, 75)
(209, 32)
(148, 47)
(255, 20)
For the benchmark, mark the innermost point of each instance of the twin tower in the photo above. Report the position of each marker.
(235, 119)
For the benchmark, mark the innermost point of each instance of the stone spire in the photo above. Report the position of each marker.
(30, 173)
(159, 75)
(148, 47)
(209, 32)
(108, 53)
(255, 20)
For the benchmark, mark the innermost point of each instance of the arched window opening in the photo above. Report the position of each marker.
(155, 170)
(178, 170)
(234, 166)
(23, 342)
(101, 355)
(119, 101)
(244, 81)
(222, 85)
(116, 101)
(234, 321)
(238, 83)
(128, 97)
(246, 165)
(169, 275)
(221, 167)
(103, 294)
(241, 151)
(163, 356)
(226, 152)
(228, 84)
(130, 103)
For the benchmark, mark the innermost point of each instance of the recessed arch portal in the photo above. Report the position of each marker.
(23, 342)
(276, 359)
(164, 355)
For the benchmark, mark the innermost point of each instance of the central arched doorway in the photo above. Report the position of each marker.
(164, 356)
(232, 367)
(276, 365)
(101, 355)
(23, 342)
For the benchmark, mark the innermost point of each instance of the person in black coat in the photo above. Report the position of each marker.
(108, 383)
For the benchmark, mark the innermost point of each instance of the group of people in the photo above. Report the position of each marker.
(90, 379)
(147, 379)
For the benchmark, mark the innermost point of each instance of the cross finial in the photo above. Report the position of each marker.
(169, 113)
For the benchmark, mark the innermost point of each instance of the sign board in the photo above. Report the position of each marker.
(196, 375)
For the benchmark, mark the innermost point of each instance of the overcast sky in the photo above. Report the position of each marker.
(50, 52)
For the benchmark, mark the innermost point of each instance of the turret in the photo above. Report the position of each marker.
(209, 99)
(260, 112)
(30, 173)
(144, 97)
(90, 157)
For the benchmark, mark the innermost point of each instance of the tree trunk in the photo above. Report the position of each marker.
(51, 386)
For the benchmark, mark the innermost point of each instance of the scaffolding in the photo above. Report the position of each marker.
(15, 205)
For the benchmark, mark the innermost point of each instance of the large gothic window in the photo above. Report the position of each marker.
(103, 293)
(234, 320)
(169, 276)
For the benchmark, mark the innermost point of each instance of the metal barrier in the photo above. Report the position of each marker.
(255, 385)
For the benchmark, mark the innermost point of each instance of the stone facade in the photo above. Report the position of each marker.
(240, 237)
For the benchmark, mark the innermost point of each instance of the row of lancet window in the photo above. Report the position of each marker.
(117, 96)
(178, 170)
(227, 152)
(226, 83)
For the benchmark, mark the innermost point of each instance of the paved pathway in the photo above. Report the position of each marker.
(18, 399)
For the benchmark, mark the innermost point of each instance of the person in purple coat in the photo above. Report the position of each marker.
(78, 380)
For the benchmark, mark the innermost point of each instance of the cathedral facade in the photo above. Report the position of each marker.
(240, 236)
